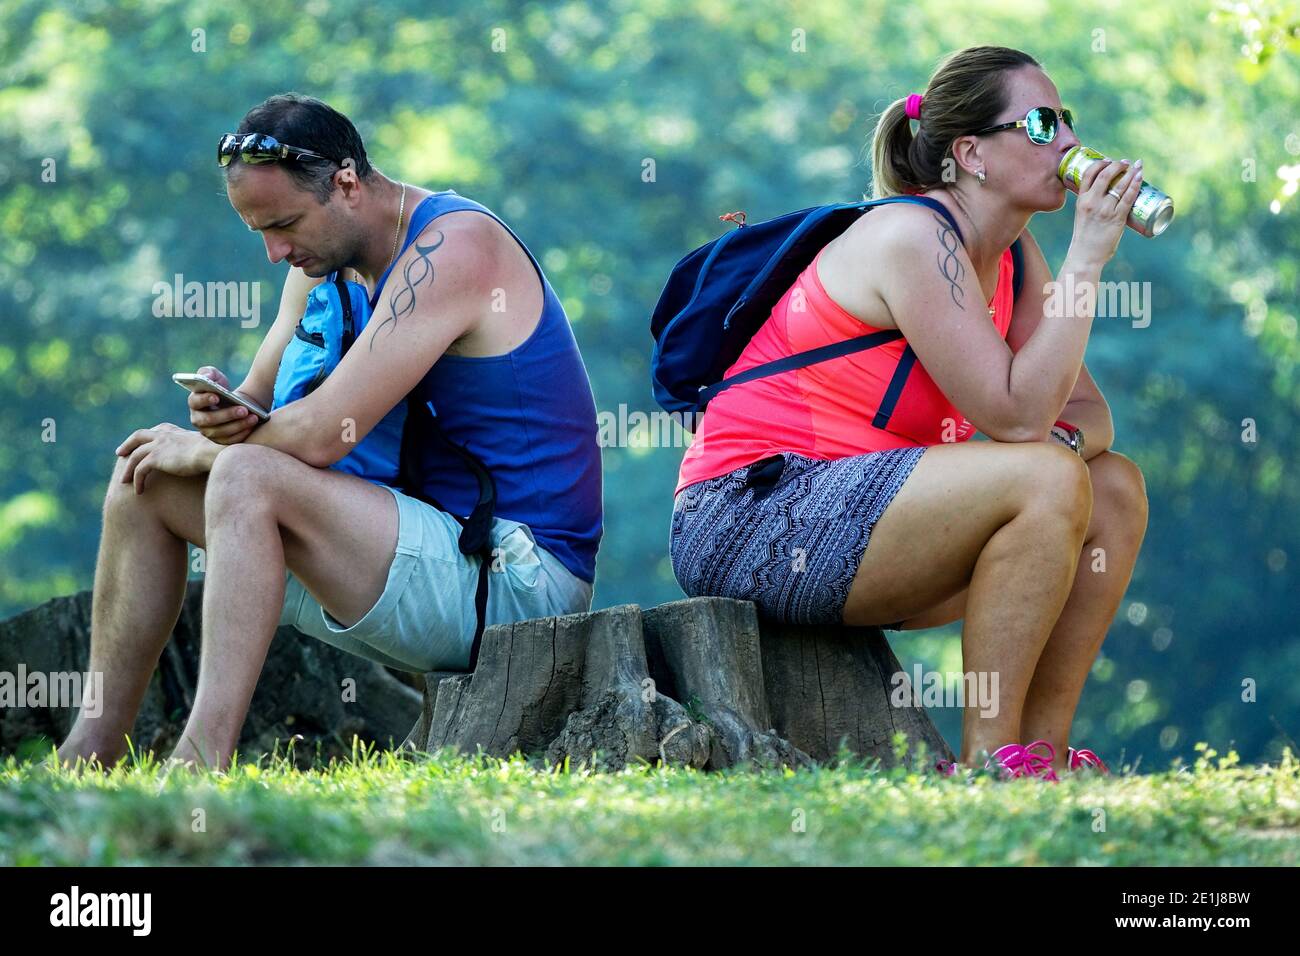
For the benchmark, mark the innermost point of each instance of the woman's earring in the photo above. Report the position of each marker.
(980, 174)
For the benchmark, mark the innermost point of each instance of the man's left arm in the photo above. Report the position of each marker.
(436, 292)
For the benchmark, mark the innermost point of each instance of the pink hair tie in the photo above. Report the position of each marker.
(914, 106)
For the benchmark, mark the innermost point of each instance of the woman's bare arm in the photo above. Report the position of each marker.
(927, 281)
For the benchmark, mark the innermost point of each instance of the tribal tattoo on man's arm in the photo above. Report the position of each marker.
(950, 267)
(402, 301)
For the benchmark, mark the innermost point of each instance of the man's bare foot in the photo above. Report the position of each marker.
(87, 742)
(79, 761)
(181, 767)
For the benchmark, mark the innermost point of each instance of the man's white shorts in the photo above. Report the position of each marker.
(425, 620)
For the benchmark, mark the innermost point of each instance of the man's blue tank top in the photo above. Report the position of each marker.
(528, 415)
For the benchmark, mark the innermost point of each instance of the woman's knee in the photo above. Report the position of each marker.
(1057, 481)
(1120, 487)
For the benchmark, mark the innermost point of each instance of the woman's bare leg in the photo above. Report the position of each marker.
(1119, 521)
(138, 591)
(1115, 532)
(1004, 520)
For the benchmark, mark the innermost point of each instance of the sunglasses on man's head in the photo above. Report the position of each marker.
(1040, 124)
(258, 148)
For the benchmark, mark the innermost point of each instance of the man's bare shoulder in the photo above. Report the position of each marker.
(501, 283)
(459, 251)
(470, 230)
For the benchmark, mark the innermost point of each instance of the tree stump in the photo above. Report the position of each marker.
(568, 686)
(703, 682)
(835, 684)
(706, 651)
(301, 696)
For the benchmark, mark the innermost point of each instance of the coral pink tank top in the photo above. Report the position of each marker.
(826, 410)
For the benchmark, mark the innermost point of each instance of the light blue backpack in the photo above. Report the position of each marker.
(336, 313)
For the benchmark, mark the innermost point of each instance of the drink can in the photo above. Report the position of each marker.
(1152, 211)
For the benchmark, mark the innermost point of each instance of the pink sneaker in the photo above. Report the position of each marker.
(1085, 759)
(1018, 761)
(1015, 761)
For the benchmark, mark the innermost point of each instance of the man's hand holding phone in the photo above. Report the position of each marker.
(219, 422)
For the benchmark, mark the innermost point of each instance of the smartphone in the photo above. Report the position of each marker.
(199, 383)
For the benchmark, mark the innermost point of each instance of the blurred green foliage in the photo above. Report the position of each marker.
(763, 107)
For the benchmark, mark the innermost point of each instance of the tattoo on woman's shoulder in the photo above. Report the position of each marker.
(950, 266)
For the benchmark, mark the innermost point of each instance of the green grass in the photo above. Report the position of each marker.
(383, 808)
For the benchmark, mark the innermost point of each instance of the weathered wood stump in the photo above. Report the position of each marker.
(564, 685)
(703, 682)
(309, 692)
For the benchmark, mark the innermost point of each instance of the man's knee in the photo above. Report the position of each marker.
(115, 484)
(121, 496)
(245, 474)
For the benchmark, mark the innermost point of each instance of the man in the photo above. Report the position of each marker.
(465, 321)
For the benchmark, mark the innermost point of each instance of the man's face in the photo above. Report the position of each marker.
(317, 237)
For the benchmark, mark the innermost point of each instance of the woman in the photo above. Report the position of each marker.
(803, 494)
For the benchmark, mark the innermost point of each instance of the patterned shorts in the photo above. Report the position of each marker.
(786, 532)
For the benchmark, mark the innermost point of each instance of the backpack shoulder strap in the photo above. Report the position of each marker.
(801, 359)
(345, 303)
(835, 349)
(1017, 268)
(476, 528)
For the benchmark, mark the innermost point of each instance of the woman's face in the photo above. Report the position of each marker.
(1016, 165)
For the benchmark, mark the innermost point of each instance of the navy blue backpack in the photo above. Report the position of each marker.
(719, 295)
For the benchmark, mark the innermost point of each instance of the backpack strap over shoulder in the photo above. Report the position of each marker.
(835, 349)
(1017, 268)
(801, 359)
(422, 425)
(349, 322)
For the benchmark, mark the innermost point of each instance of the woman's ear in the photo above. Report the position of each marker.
(965, 155)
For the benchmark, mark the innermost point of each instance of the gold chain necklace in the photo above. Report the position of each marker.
(397, 233)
